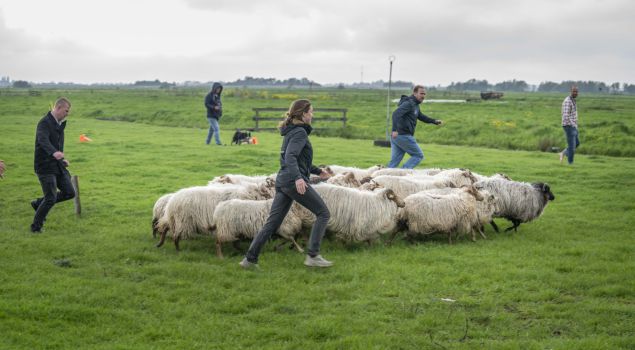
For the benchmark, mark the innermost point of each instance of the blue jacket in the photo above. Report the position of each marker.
(49, 138)
(212, 100)
(296, 156)
(404, 118)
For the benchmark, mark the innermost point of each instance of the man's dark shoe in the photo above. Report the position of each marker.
(36, 229)
(34, 204)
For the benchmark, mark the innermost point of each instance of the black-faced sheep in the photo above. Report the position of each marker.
(517, 202)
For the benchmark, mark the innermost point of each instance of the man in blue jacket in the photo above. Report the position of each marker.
(404, 122)
(50, 165)
(214, 112)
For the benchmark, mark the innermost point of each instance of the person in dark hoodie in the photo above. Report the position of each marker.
(214, 112)
(404, 122)
(50, 165)
(292, 184)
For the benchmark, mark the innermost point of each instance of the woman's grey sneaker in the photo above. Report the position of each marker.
(317, 261)
(247, 265)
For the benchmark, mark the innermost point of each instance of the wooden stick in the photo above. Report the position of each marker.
(78, 204)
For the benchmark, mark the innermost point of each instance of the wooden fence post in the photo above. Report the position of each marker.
(78, 204)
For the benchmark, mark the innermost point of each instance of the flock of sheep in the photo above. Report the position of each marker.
(365, 204)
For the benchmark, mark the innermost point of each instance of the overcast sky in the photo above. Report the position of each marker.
(329, 41)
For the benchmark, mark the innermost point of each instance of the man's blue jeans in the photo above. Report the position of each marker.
(214, 129)
(573, 141)
(401, 145)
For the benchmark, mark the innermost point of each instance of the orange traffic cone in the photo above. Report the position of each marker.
(84, 138)
(254, 140)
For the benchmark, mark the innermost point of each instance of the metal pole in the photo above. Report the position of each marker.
(391, 59)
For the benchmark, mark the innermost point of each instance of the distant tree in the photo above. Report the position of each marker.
(472, 84)
(21, 84)
(629, 88)
(512, 85)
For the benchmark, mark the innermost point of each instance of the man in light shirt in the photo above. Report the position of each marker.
(570, 125)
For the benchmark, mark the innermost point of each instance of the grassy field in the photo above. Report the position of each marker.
(520, 121)
(565, 281)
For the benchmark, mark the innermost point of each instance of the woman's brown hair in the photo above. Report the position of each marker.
(295, 113)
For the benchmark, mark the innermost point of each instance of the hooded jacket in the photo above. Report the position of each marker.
(212, 99)
(404, 118)
(296, 155)
(49, 138)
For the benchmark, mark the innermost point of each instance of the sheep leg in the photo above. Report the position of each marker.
(162, 238)
(392, 237)
(297, 246)
(481, 231)
(236, 245)
(176, 243)
(494, 226)
(154, 228)
(514, 227)
(219, 249)
(450, 237)
(279, 246)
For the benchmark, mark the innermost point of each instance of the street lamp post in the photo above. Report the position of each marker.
(391, 59)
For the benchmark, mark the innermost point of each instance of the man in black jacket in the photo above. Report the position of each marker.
(214, 107)
(404, 122)
(50, 165)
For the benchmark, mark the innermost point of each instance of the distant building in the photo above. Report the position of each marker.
(5, 82)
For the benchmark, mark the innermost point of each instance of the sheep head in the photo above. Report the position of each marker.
(270, 182)
(468, 174)
(370, 186)
(264, 191)
(391, 195)
(474, 192)
(545, 189)
(224, 179)
(328, 170)
(365, 179)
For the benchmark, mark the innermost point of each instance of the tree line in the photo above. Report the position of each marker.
(546, 86)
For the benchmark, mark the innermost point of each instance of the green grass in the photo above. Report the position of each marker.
(520, 121)
(565, 281)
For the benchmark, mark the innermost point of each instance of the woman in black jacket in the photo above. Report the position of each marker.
(292, 184)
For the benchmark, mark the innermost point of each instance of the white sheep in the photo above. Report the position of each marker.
(357, 215)
(480, 177)
(426, 213)
(404, 186)
(190, 210)
(238, 218)
(517, 202)
(458, 177)
(345, 180)
(357, 172)
(406, 172)
(158, 210)
(238, 179)
(485, 207)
